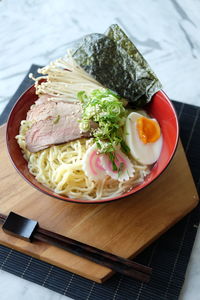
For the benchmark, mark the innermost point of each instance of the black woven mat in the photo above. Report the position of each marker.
(168, 256)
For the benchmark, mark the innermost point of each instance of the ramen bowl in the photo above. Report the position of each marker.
(160, 108)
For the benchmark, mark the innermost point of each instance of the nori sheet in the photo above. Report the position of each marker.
(114, 61)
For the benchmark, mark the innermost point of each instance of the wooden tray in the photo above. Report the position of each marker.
(124, 227)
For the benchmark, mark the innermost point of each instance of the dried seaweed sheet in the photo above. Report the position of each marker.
(114, 61)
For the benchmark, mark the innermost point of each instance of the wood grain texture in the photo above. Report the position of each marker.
(124, 227)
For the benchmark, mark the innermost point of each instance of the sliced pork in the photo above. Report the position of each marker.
(42, 99)
(48, 109)
(52, 131)
(53, 123)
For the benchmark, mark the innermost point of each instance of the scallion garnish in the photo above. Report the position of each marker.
(105, 108)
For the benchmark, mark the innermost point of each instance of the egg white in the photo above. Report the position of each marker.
(145, 154)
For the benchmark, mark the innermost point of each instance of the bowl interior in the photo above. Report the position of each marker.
(160, 107)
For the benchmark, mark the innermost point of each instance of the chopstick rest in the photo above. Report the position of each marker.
(20, 227)
(29, 230)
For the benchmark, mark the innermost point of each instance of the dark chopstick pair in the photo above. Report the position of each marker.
(29, 230)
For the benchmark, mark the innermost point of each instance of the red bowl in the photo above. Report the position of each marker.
(160, 108)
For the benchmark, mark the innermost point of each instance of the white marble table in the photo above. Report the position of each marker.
(166, 32)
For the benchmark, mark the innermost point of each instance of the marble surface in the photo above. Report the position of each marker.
(166, 32)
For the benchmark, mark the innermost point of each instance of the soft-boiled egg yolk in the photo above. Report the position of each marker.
(148, 130)
(144, 138)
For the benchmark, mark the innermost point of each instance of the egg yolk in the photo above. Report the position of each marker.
(148, 130)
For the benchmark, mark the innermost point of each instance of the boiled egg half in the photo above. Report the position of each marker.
(144, 138)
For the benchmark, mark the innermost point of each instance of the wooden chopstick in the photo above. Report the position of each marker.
(112, 261)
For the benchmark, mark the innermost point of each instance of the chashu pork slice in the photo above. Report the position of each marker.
(54, 123)
(52, 131)
(44, 110)
(42, 99)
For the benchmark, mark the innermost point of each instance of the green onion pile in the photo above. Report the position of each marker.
(105, 108)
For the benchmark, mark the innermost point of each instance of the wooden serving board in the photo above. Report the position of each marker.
(124, 227)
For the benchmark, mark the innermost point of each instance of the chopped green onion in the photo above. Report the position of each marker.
(56, 120)
(120, 169)
(106, 109)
